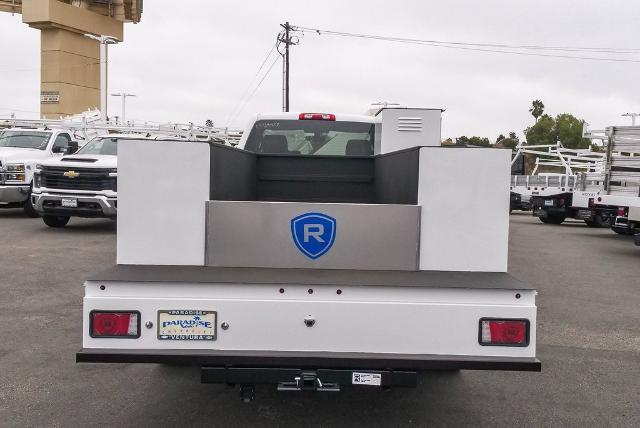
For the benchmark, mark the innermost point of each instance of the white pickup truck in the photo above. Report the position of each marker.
(318, 257)
(21, 149)
(84, 184)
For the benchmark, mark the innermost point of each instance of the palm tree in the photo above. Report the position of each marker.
(537, 108)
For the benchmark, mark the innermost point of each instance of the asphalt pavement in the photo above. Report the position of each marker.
(588, 340)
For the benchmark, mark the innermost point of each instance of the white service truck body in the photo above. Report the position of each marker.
(278, 264)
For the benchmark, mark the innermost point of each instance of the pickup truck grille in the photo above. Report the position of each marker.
(86, 179)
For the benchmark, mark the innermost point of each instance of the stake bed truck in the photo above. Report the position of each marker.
(621, 195)
(316, 256)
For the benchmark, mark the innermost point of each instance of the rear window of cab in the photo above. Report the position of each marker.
(311, 137)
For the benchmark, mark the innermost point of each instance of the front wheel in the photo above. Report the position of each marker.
(29, 209)
(55, 220)
(553, 219)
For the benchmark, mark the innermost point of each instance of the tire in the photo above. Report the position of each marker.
(55, 220)
(597, 221)
(544, 220)
(555, 219)
(29, 209)
(600, 222)
(625, 232)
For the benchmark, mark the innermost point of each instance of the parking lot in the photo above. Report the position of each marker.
(588, 340)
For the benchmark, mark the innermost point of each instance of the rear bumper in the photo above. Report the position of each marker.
(309, 360)
(14, 194)
(88, 205)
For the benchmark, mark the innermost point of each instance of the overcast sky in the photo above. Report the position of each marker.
(195, 63)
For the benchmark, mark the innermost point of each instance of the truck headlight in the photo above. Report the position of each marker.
(15, 167)
(36, 179)
(15, 177)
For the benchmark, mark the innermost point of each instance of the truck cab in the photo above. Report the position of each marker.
(313, 134)
(21, 149)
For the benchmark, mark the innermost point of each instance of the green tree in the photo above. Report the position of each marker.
(565, 128)
(509, 142)
(512, 141)
(542, 132)
(568, 129)
(537, 108)
(473, 141)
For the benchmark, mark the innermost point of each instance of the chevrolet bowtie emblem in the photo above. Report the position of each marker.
(71, 174)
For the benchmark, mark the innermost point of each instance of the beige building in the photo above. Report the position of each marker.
(70, 61)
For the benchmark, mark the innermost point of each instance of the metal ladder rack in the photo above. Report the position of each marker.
(90, 124)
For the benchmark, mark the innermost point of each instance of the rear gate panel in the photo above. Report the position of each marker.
(398, 320)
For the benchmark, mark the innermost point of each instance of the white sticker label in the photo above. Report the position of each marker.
(374, 379)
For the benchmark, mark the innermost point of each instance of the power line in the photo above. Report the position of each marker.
(246, 91)
(254, 91)
(487, 47)
(495, 45)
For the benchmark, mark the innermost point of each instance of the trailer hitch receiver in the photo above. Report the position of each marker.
(308, 381)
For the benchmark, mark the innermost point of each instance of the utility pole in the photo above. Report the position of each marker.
(285, 37)
(633, 117)
(124, 96)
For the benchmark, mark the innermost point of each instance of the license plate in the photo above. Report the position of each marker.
(69, 203)
(186, 324)
(548, 203)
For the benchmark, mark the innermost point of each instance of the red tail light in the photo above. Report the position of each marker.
(591, 203)
(621, 212)
(114, 324)
(316, 116)
(504, 332)
(561, 203)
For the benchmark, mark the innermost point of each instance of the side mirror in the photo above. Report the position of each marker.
(59, 149)
(72, 148)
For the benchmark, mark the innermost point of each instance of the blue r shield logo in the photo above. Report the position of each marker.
(313, 233)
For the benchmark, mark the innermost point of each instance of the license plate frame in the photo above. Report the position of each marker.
(548, 203)
(182, 326)
(69, 203)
